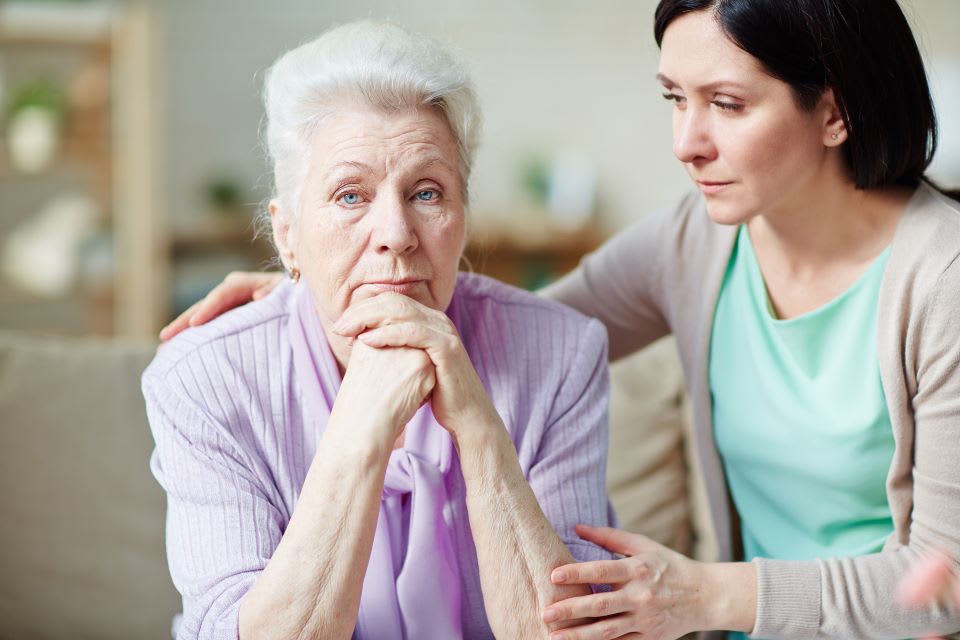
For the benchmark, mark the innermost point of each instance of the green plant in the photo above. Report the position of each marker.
(224, 194)
(42, 93)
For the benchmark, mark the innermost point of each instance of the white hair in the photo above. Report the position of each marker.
(375, 64)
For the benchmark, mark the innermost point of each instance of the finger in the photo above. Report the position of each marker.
(385, 309)
(267, 282)
(596, 572)
(408, 334)
(232, 292)
(179, 323)
(615, 540)
(595, 605)
(611, 627)
(926, 583)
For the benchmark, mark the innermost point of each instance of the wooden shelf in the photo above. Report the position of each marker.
(15, 40)
(56, 24)
(105, 151)
(529, 260)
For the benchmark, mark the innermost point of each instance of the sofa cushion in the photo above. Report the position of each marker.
(647, 472)
(81, 517)
(653, 479)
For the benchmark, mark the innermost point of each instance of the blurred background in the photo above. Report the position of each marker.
(131, 167)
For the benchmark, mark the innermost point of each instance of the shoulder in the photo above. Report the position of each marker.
(492, 308)
(220, 358)
(522, 344)
(924, 252)
(669, 246)
(683, 224)
(929, 231)
(535, 357)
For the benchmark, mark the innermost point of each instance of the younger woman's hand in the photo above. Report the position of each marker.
(239, 287)
(656, 593)
(931, 581)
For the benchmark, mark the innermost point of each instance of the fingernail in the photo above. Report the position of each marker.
(559, 576)
(551, 615)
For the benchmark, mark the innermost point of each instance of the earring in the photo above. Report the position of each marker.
(834, 136)
(295, 274)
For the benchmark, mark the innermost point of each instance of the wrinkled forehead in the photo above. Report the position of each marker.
(376, 142)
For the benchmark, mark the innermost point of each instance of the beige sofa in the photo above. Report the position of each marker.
(81, 518)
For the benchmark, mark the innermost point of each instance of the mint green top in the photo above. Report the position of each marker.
(800, 417)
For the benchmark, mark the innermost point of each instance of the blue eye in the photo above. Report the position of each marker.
(350, 198)
(427, 195)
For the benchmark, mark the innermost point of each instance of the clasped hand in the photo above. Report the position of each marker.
(394, 324)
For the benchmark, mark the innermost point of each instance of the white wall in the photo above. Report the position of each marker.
(552, 74)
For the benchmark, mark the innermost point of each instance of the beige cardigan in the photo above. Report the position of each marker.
(663, 274)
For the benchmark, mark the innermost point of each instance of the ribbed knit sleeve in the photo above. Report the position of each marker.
(213, 499)
(569, 475)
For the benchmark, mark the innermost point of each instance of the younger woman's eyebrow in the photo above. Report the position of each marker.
(710, 86)
(665, 81)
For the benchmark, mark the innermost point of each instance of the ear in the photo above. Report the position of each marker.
(284, 236)
(834, 128)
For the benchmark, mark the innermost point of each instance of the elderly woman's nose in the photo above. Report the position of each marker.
(691, 137)
(393, 230)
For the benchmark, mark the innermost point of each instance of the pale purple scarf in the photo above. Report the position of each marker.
(411, 590)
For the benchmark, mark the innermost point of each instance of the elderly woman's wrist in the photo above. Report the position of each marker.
(483, 435)
(365, 437)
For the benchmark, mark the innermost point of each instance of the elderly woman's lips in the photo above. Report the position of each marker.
(399, 286)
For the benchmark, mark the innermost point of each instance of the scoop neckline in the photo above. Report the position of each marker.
(760, 286)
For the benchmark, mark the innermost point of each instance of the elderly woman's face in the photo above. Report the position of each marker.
(381, 210)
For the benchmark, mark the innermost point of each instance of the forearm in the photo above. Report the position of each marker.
(311, 586)
(517, 547)
(845, 598)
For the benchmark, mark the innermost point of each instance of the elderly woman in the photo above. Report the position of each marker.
(381, 448)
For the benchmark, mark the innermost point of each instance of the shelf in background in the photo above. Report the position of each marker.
(56, 24)
(528, 260)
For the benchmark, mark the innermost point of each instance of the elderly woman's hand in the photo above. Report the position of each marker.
(657, 594)
(459, 400)
(383, 388)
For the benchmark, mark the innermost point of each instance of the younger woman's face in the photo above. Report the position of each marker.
(737, 130)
